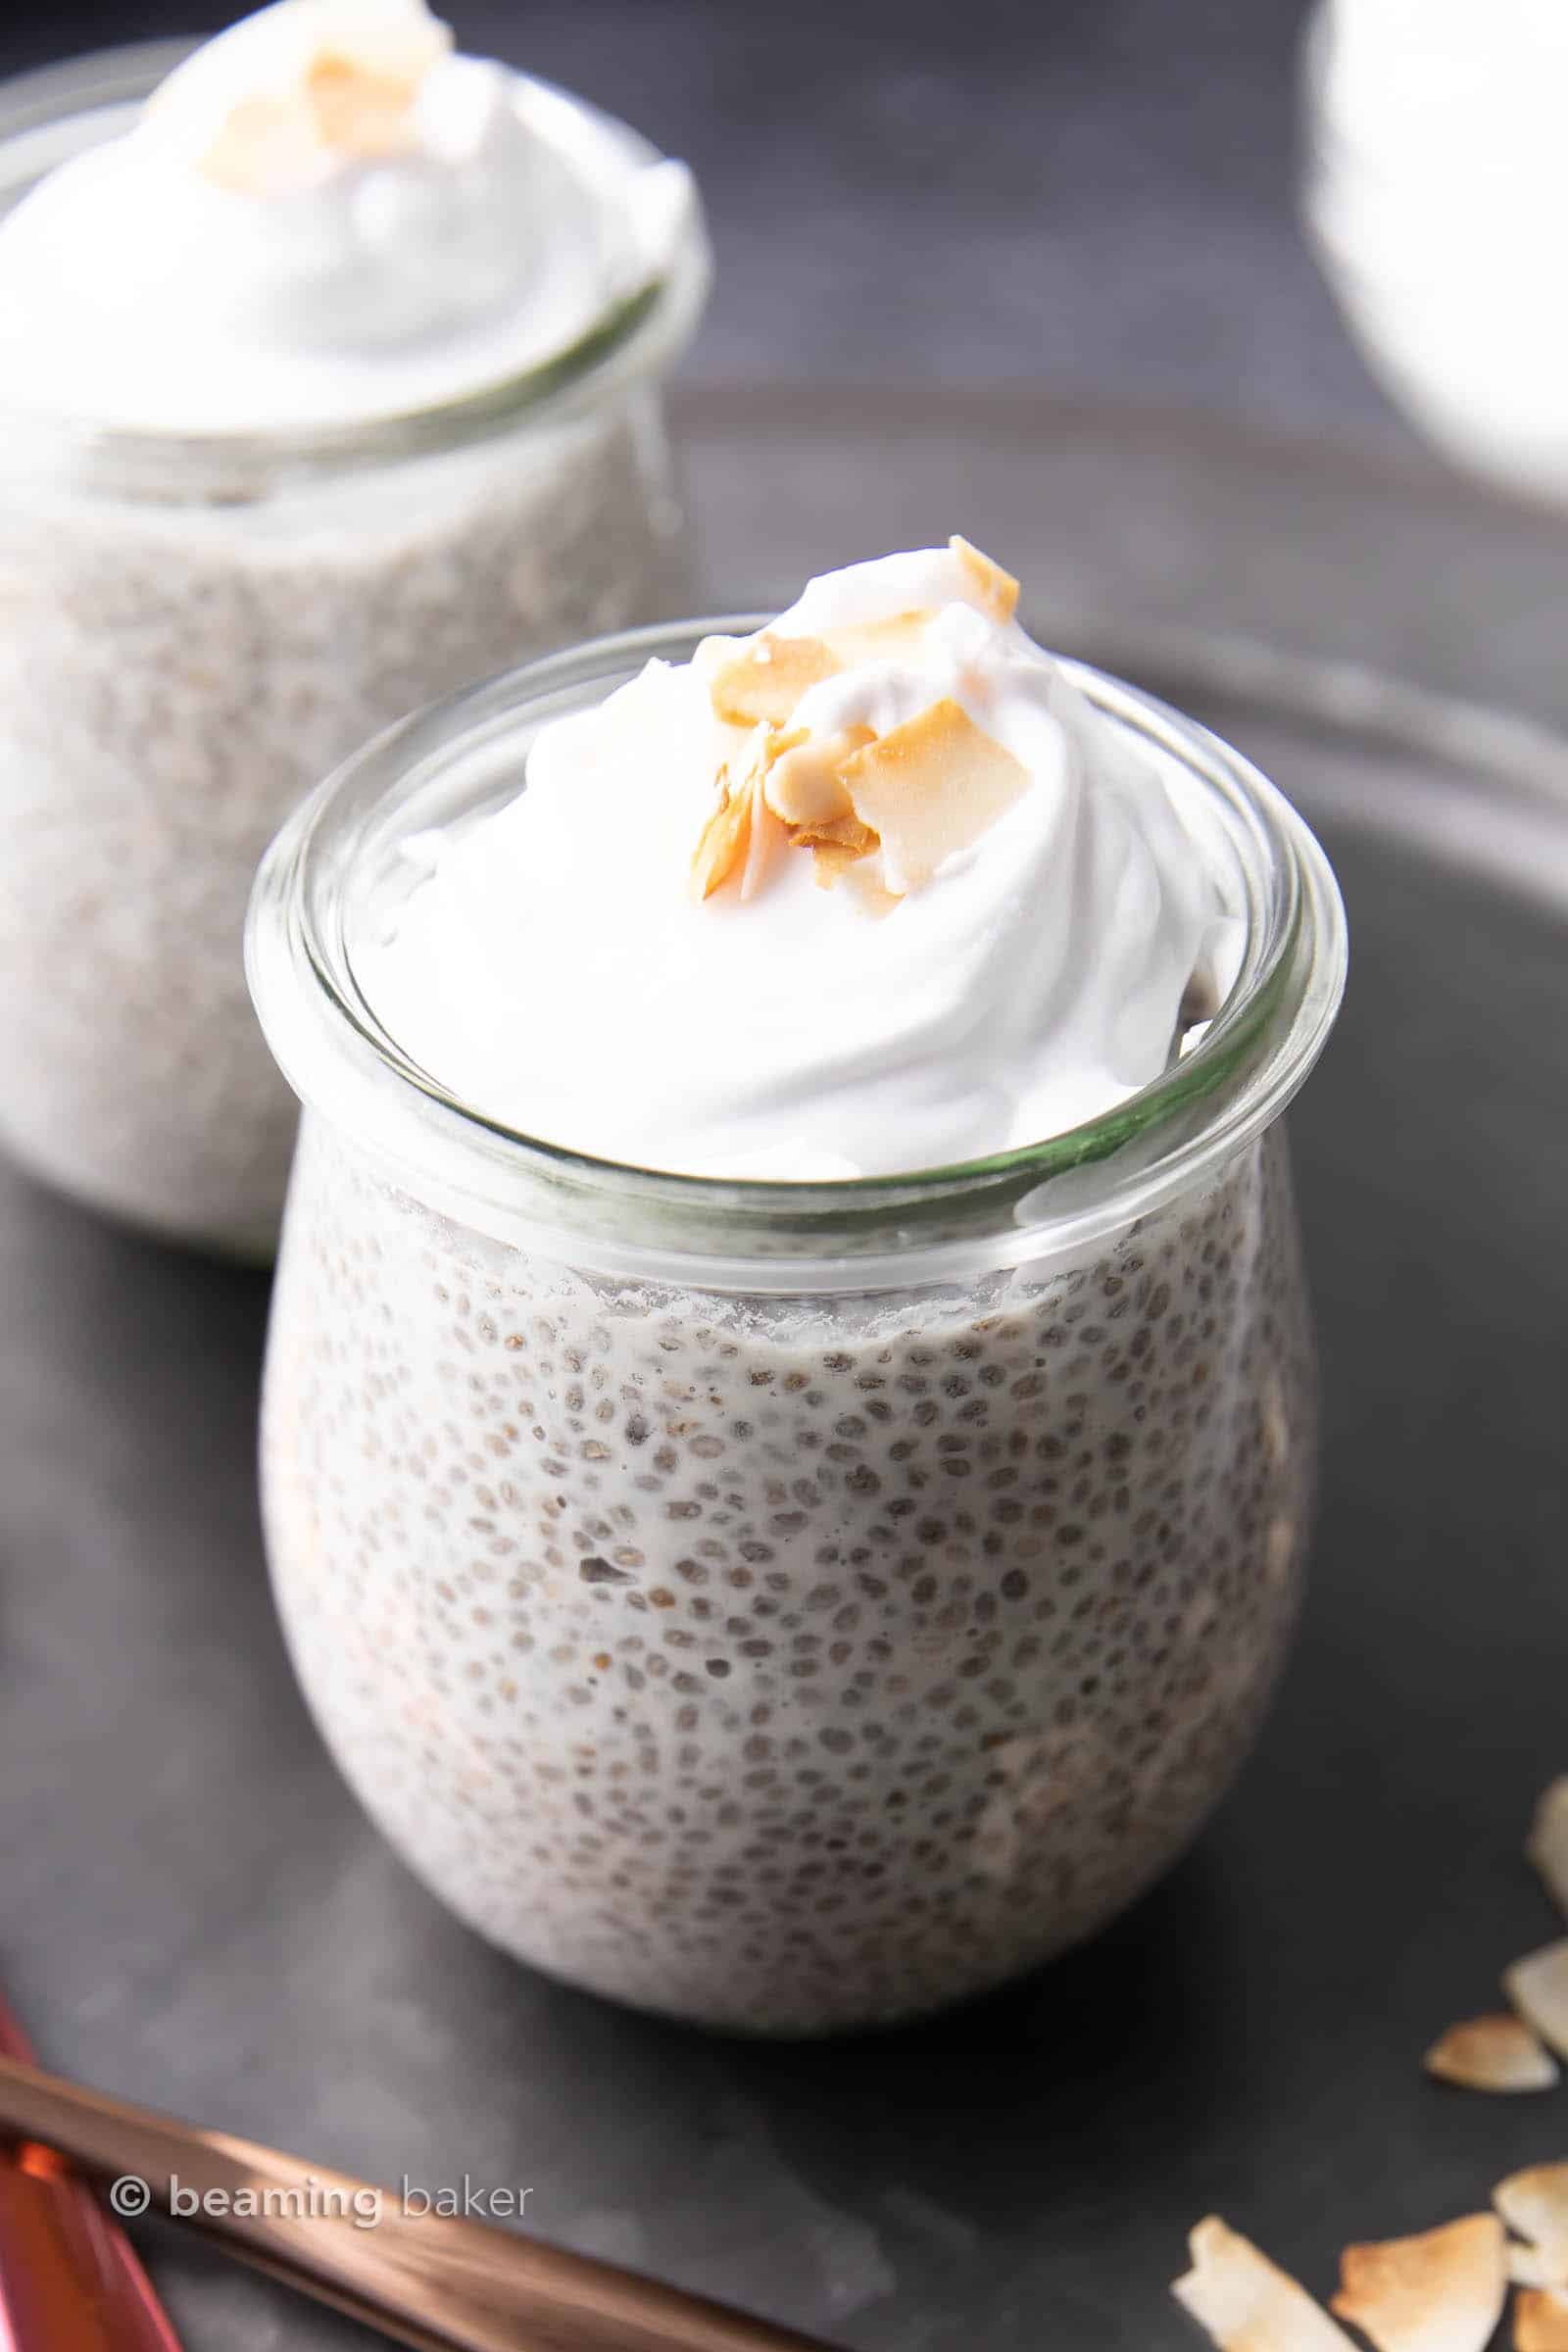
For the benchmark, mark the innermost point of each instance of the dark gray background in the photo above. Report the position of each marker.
(1098, 194)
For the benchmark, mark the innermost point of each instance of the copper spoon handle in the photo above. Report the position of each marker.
(69, 2275)
(437, 2282)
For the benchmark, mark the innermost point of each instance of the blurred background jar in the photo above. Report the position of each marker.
(198, 625)
(1436, 193)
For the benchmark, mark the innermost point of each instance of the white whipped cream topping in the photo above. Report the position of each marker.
(246, 259)
(551, 968)
(1441, 187)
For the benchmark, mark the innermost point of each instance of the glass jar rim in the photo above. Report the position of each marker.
(639, 334)
(1009, 1207)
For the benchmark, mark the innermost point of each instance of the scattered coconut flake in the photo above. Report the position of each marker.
(1443, 2291)
(1492, 2053)
(1534, 2205)
(770, 678)
(1246, 2303)
(1541, 2321)
(1547, 1844)
(998, 589)
(1527, 2266)
(929, 788)
(1537, 1986)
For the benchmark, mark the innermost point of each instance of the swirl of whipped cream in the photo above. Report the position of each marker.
(322, 216)
(553, 965)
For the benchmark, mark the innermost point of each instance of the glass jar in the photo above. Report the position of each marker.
(198, 627)
(784, 1606)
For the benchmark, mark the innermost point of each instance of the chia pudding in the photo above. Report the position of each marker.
(791, 1602)
(261, 495)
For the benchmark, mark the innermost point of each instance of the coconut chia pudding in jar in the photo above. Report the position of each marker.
(789, 1425)
(330, 382)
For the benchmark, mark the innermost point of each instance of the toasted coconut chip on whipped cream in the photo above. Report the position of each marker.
(1534, 2205)
(1246, 2303)
(1537, 1986)
(726, 838)
(1443, 2291)
(930, 788)
(1547, 1844)
(357, 113)
(736, 838)
(917, 792)
(806, 785)
(845, 836)
(1540, 2321)
(768, 679)
(997, 589)
(1492, 2053)
(343, 89)
(897, 638)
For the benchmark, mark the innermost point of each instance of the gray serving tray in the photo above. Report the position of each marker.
(194, 1912)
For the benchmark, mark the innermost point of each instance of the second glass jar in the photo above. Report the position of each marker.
(197, 628)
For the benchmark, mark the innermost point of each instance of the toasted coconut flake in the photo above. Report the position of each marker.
(860, 877)
(996, 589)
(877, 640)
(726, 838)
(845, 833)
(357, 113)
(831, 863)
(1541, 2321)
(835, 848)
(353, 100)
(742, 831)
(1537, 1986)
(1443, 2291)
(1534, 2205)
(770, 678)
(1246, 2303)
(1527, 2265)
(805, 786)
(713, 655)
(929, 788)
(1492, 2053)
(263, 144)
(399, 45)
(1547, 1846)
(767, 834)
